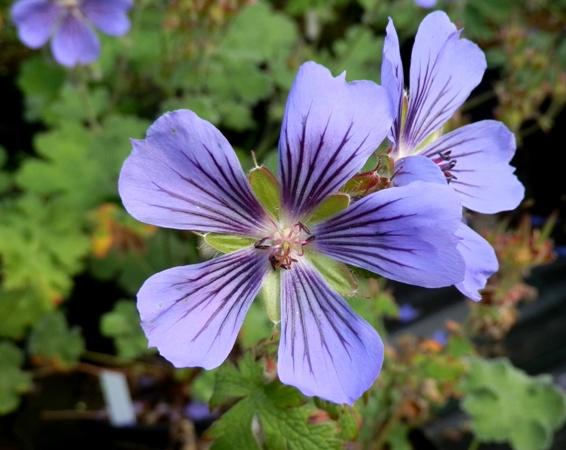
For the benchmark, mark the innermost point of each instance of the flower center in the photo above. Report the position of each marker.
(446, 163)
(286, 245)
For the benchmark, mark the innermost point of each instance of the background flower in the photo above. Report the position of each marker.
(69, 24)
(473, 159)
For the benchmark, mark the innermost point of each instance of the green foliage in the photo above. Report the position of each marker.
(358, 54)
(4, 177)
(267, 414)
(41, 246)
(40, 82)
(245, 66)
(19, 309)
(398, 438)
(506, 405)
(13, 380)
(53, 342)
(61, 171)
(123, 325)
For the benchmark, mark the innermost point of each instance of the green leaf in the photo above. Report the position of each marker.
(13, 381)
(123, 325)
(347, 418)
(459, 346)
(76, 104)
(234, 382)
(259, 34)
(202, 386)
(19, 309)
(329, 207)
(357, 54)
(226, 243)
(40, 82)
(61, 169)
(398, 437)
(336, 273)
(266, 189)
(52, 341)
(5, 178)
(268, 415)
(529, 409)
(41, 246)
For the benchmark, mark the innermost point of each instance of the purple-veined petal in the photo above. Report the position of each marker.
(480, 261)
(392, 78)
(193, 314)
(185, 175)
(483, 176)
(75, 42)
(403, 233)
(325, 348)
(329, 130)
(36, 20)
(110, 16)
(444, 70)
(416, 168)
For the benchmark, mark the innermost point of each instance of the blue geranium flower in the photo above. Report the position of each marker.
(185, 175)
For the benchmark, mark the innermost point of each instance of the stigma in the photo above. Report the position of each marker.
(286, 245)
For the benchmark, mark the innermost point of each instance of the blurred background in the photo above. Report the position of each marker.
(75, 371)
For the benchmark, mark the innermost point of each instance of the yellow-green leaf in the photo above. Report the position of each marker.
(227, 243)
(266, 189)
(330, 206)
(336, 273)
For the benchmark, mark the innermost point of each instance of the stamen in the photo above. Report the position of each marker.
(446, 163)
(286, 245)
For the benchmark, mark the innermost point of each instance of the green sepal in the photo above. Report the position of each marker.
(270, 294)
(363, 184)
(266, 189)
(335, 273)
(330, 206)
(227, 243)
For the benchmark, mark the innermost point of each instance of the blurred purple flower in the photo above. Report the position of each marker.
(440, 336)
(197, 412)
(70, 26)
(185, 175)
(473, 159)
(427, 4)
(408, 313)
